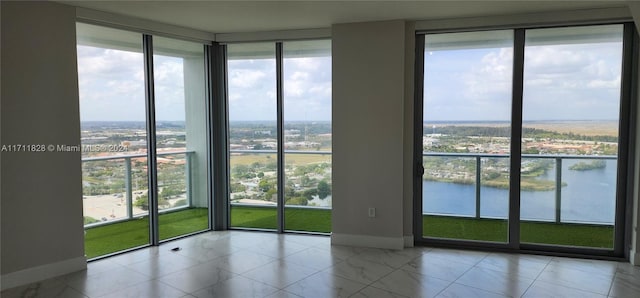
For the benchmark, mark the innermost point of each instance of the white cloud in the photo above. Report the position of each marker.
(572, 82)
(245, 78)
(491, 77)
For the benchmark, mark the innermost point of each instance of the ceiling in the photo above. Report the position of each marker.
(254, 16)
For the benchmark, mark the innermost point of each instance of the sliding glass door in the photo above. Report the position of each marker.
(571, 116)
(466, 135)
(547, 103)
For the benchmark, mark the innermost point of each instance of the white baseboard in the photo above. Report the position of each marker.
(634, 258)
(367, 241)
(35, 274)
(408, 241)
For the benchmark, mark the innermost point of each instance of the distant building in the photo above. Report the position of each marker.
(262, 133)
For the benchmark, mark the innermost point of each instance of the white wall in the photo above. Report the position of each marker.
(368, 133)
(41, 194)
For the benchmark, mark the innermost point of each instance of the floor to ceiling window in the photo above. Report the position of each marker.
(571, 116)
(279, 101)
(181, 137)
(253, 135)
(521, 134)
(112, 115)
(124, 175)
(466, 135)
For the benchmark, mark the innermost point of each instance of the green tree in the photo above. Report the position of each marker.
(240, 171)
(237, 187)
(301, 201)
(142, 202)
(309, 193)
(264, 185)
(324, 189)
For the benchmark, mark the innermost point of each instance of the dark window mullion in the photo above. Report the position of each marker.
(418, 116)
(152, 170)
(626, 140)
(280, 137)
(516, 138)
(219, 136)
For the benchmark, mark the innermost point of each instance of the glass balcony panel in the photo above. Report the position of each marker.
(538, 189)
(253, 190)
(494, 189)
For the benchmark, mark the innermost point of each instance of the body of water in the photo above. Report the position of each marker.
(589, 196)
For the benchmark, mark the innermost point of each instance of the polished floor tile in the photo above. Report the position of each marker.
(162, 265)
(435, 266)
(197, 277)
(324, 284)
(314, 258)
(393, 258)
(411, 284)
(151, 288)
(106, 282)
(242, 261)
(462, 291)
(570, 276)
(372, 292)
(526, 266)
(625, 285)
(503, 283)
(279, 273)
(258, 264)
(360, 270)
(54, 288)
(542, 289)
(278, 248)
(238, 286)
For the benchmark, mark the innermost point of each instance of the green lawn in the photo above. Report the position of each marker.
(115, 237)
(530, 232)
(296, 219)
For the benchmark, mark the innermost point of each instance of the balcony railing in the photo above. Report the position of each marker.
(129, 191)
(558, 173)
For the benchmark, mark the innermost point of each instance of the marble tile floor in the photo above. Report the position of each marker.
(255, 264)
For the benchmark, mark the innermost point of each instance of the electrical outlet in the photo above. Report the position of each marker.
(372, 212)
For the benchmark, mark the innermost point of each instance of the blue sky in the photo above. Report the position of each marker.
(112, 87)
(561, 82)
(307, 89)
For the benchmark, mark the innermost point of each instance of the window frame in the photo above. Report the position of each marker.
(626, 148)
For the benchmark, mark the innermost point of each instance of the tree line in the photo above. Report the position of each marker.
(527, 132)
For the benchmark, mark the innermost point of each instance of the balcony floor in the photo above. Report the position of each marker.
(255, 264)
(495, 230)
(115, 237)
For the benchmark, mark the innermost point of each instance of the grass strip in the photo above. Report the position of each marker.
(115, 237)
(496, 230)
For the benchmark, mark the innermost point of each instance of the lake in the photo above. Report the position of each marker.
(588, 197)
